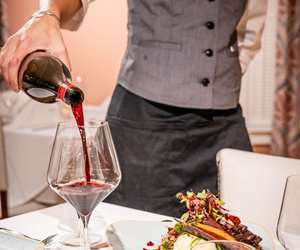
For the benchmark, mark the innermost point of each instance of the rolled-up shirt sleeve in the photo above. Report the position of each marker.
(76, 20)
(250, 31)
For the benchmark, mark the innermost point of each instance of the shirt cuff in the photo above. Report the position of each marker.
(246, 55)
(75, 22)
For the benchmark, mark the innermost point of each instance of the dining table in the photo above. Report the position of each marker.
(43, 223)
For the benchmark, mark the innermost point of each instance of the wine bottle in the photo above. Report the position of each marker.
(47, 79)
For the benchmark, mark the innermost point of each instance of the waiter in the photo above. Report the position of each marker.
(176, 103)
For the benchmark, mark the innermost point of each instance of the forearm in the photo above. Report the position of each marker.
(250, 30)
(64, 9)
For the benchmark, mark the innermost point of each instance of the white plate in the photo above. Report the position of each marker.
(134, 235)
(10, 240)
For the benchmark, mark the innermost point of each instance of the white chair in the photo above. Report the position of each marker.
(252, 185)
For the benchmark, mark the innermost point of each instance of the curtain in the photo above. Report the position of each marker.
(3, 33)
(286, 120)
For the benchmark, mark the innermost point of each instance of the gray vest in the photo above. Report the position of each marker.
(184, 52)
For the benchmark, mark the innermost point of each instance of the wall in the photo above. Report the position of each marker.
(95, 50)
(259, 83)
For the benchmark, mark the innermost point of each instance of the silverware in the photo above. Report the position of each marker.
(48, 240)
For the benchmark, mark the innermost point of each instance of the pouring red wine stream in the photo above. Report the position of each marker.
(79, 117)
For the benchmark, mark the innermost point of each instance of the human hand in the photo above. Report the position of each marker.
(39, 33)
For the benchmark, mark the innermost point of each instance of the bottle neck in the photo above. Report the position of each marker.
(62, 89)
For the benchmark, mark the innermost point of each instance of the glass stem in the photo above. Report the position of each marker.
(85, 238)
(79, 228)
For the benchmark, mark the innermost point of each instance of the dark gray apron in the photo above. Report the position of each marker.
(164, 150)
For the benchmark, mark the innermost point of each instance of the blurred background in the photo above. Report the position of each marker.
(270, 91)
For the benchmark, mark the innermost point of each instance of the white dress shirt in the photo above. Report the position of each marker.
(249, 29)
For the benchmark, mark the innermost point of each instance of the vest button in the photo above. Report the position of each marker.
(210, 25)
(209, 52)
(205, 82)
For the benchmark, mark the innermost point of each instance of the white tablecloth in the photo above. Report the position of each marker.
(28, 141)
(42, 223)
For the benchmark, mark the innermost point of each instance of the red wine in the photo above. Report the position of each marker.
(84, 195)
(79, 117)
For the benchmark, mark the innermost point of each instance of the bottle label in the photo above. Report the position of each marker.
(39, 93)
(62, 90)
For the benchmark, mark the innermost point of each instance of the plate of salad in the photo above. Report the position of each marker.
(205, 220)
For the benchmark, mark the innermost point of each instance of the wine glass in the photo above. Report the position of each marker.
(83, 169)
(288, 227)
(219, 245)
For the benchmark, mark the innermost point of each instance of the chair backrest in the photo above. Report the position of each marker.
(252, 184)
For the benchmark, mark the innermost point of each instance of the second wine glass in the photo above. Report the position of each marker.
(288, 227)
(83, 176)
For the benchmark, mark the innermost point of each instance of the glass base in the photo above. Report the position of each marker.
(73, 240)
(67, 242)
(69, 231)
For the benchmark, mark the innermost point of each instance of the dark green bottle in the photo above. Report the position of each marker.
(47, 79)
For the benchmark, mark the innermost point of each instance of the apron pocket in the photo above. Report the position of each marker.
(147, 152)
